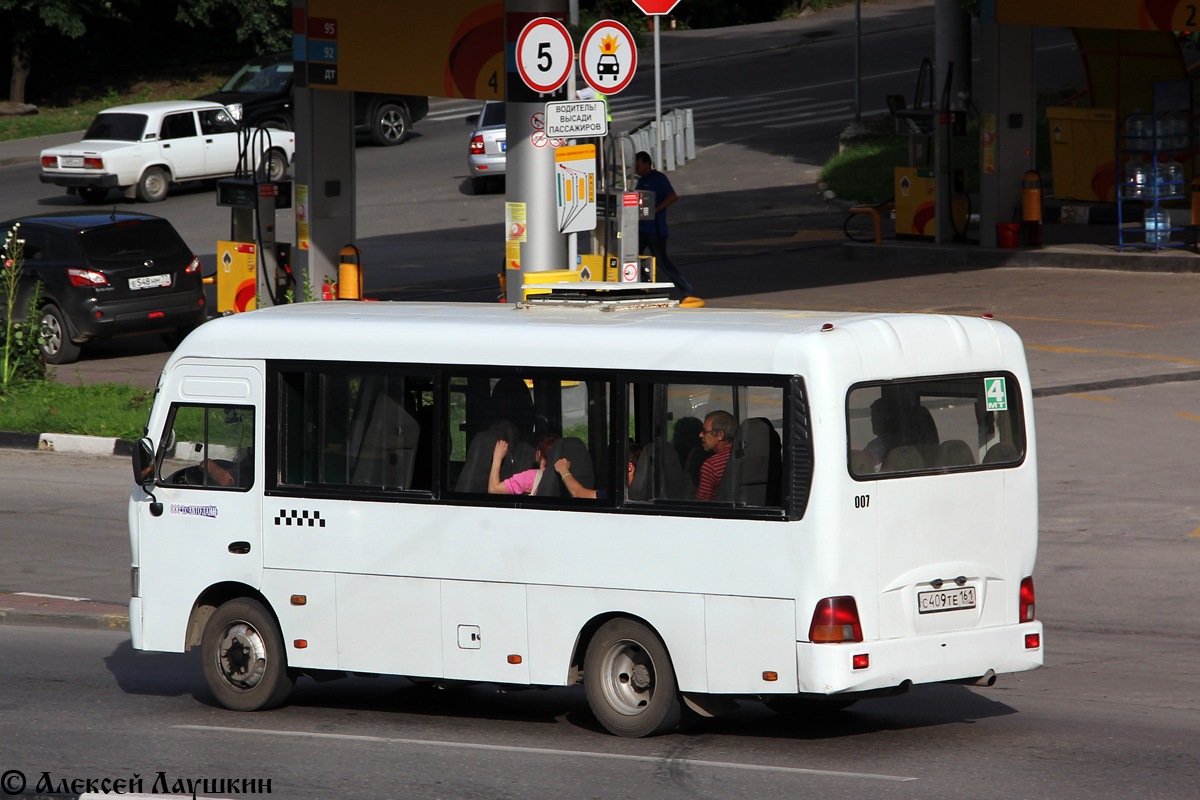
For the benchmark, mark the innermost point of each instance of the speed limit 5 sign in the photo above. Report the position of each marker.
(545, 55)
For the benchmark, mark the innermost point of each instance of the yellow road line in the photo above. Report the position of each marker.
(1194, 534)
(1096, 397)
(1058, 349)
(1188, 416)
(997, 316)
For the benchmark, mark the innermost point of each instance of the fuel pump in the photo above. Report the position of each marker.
(622, 210)
(930, 196)
(254, 200)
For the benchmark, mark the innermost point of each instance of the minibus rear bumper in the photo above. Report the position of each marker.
(829, 668)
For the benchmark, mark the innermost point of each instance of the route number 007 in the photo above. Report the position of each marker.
(862, 500)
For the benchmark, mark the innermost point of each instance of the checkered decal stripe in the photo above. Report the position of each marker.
(300, 518)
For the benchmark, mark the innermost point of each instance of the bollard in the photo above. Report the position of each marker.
(1031, 208)
(350, 273)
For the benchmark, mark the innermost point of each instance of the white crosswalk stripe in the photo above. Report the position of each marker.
(776, 115)
(835, 118)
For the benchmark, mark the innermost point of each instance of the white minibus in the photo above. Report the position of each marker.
(674, 507)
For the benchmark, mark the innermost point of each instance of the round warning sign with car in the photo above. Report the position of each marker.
(608, 57)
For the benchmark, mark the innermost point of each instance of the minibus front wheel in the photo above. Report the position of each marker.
(245, 662)
(629, 681)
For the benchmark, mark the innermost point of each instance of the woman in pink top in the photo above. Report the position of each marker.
(523, 482)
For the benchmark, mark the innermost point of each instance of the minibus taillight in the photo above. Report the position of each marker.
(835, 620)
(477, 145)
(1027, 600)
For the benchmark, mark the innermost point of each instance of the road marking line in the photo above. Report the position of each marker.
(1095, 397)
(1188, 416)
(550, 752)
(1057, 349)
(52, 596)
(1194, 534)
(1086, 322)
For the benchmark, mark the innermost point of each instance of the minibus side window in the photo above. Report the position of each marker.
(938, 424)
(564, 418)
(208, 447)
(360, 429)
(710, 443)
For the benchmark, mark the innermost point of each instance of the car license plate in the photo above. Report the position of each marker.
(149, 282)
(72, 161)
(503, 146)
(946, 600)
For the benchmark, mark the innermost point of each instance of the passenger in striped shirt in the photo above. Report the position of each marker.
(717, 438)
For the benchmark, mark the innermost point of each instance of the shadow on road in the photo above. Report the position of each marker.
(176, 674)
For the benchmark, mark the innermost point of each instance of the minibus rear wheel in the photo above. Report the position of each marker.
(629, 681)
(245, 662)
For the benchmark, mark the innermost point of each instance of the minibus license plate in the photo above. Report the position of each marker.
(945, 600)
(149, 281)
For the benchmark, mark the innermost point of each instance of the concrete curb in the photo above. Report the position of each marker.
(66, 443)
(53, 611)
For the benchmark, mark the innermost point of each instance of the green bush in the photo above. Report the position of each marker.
(20, 335)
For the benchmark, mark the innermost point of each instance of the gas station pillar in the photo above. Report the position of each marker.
(530, 181)
(1008, 93)
(324, 168)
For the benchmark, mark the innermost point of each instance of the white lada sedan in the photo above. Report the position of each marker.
(142, 149)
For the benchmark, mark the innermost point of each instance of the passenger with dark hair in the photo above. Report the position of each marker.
(523, 482)
(577, 489)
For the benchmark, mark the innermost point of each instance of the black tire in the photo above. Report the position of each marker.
(245, 662)
(278, 123)
(479, 185)
(630, 682)
(93, 194)
(153, 185)
(174, 338)
(389, 125)
(57, 347)
(276, 165)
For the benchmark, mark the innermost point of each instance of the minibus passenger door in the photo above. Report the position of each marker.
(209, 481)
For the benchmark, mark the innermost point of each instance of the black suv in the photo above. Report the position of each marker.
(106, 275)
(263, 88)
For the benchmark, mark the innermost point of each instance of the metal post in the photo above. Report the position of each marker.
(857, 61)
(530, 180)
(657, 94)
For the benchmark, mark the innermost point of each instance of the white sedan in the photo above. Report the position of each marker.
(142, 149)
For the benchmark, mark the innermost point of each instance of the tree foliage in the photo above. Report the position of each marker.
(264, 23)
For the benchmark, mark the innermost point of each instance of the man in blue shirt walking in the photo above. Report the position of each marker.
(652, 233)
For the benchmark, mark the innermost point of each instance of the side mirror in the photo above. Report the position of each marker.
(143, 463)
(143, 472)
(472, 120)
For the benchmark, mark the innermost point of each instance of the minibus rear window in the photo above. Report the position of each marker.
(945, 424)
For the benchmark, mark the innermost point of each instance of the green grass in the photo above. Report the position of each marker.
(106, 409)
(77, 116)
